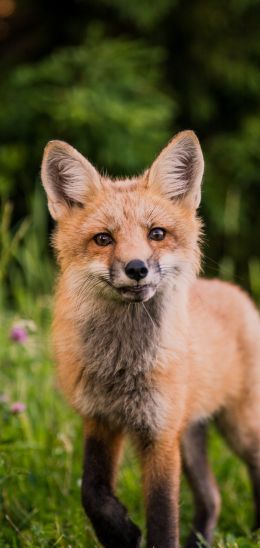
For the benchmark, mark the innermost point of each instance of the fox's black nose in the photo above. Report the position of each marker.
(136, 270)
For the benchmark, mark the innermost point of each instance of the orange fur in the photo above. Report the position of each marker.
(207, 359)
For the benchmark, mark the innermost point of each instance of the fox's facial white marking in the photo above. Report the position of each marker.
(114, 283)
(132, 289)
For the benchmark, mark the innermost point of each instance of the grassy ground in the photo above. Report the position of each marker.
(41, 454)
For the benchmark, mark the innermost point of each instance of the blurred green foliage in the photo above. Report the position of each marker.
(116, 79)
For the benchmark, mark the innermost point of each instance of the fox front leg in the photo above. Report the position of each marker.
(161, 475)
(108, 516)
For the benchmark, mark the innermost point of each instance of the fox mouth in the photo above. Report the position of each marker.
(133, 293)
(136, 293)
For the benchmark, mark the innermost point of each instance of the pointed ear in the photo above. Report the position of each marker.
(67, 177)
(178, 170)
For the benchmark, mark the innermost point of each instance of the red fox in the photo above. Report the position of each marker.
(143, 347)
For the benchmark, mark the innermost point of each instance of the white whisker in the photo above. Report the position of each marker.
(149, 315)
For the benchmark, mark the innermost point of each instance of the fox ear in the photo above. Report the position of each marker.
(178, 170)
(67, 177)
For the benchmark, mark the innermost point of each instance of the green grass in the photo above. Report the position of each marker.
(41, 456)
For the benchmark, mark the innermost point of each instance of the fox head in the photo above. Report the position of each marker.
(126, 239)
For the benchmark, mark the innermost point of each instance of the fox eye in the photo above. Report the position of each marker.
(157, 234)
(103, 239)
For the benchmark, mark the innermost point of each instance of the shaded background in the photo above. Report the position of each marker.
(117, 78)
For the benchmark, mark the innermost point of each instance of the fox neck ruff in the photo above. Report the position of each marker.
(120, 344)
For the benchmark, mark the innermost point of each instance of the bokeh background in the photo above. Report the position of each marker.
(116, 79)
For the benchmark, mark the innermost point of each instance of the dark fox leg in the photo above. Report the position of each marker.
(205, 491)
(241, 428)
(161, 476)
(254, 474)
(108, 516)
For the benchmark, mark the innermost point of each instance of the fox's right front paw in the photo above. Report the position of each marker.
(134, 536)
(128, 537)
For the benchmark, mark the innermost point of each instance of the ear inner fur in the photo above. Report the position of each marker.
(67, 177)
(177, 172)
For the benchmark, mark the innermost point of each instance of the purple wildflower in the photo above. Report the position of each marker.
(17, 407)
(18, 334)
